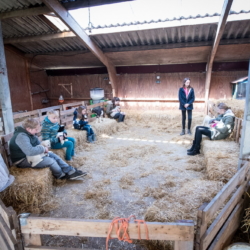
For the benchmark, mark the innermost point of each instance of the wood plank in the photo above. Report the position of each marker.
(32, 239)
(7, 233)
(3, 242)
(99, 228)
(224, 193)
(220, 29)
(24, 114)
(181, 245)
(238, 130)
(6, 214)
(73, 104)
(226, 233)
(222, 217)
(54, 248)
(58, 107)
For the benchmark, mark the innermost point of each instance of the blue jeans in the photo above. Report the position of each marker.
(53, 161)
(70, 145)
(88, 129)
(119, 116)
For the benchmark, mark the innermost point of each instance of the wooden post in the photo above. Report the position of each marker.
(5, 97)
(244, 141)
(220, 29)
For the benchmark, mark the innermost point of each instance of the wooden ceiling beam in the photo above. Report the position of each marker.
(220, 29)
(43, 10)
(70, 22)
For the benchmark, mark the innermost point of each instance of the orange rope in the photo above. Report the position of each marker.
(121, 226)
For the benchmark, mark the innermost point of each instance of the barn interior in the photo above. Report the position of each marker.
(140, 166)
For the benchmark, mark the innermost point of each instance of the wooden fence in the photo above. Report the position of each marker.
(180, 232)
(214, 233)
(64, 110)
(10, 235)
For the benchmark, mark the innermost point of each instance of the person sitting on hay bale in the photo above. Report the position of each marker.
(220, 128)
(50, 131)
(80, 121)
(113, 110)
(27, 152)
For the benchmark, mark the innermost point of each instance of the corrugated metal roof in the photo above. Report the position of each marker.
(166, 20)
(9, 5)
(64, 44)
(25, 26)
(190, 33)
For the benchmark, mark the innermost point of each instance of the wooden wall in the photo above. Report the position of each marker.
(139, 90)
(18, 80)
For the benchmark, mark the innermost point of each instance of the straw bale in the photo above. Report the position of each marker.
(32, 190)
(221, 159)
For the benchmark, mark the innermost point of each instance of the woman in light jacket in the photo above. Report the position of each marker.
(113, 109)
(186, 99)
(219, 128)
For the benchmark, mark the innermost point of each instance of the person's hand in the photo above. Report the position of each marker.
(186, 105)
(60, 138)
(46, 150)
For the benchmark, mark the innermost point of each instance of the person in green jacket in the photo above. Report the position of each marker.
(220, 128)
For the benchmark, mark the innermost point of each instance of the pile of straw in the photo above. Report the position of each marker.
(221, 159)
(32, 190)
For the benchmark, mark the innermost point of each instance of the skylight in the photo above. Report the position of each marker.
(144, 11)
(57, 22)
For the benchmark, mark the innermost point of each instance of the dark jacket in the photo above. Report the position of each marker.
(24, 144)
(186, 100)
(78, 123)
(225, 127)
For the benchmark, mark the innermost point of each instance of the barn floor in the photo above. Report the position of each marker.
(143, 170)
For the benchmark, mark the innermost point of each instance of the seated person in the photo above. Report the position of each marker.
(25, 144)
(50, 131)
(80, 121)
(220, 128)
(113, 110)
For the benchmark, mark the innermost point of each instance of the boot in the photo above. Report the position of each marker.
(93, 137)
(192, 148)
(189, 132)
(89, 139)
(195, 151)
(182, 132)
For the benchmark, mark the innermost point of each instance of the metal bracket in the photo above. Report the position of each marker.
(23, 218)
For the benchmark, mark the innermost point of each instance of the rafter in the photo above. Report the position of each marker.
(70, 22)
(220, 29)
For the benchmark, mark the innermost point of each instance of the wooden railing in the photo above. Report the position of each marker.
(181, 233)
(219, 232)
(64, 110)
(10, 235)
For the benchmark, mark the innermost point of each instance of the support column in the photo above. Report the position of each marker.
(5, 90)
(245, 135)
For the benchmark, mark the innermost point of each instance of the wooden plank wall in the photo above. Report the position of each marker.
(132, 87)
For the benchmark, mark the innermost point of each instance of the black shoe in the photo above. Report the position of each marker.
(194, 152)
(192, 148)
(76, 175)
(80, 171)
(189, 132)
(182, 132)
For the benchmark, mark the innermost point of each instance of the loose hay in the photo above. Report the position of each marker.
(32, 190)
(221, 159)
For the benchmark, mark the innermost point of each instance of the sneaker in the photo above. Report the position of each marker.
(76, 175)
(80, 171)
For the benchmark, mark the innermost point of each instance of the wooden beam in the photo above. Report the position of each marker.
(99, 228)
(45, 10)
(220, 29)
(70, 22)
(39, 38)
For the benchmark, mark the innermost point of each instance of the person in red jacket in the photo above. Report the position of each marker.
(186, 99)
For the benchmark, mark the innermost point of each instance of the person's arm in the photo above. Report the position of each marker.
(23, 142)
(223, 127)
(109, 108)
(48, 135)
(192, 97)
(180, 99)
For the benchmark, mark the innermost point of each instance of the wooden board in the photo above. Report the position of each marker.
(94, 228)
(225, 235)
(220, 198)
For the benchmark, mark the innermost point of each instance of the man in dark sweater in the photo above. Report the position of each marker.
(24, 145)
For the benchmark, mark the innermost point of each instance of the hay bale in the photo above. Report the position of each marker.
(32, 190)
(221, 159)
